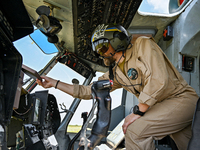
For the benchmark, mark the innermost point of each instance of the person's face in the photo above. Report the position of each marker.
(108, 56)
(104, 49)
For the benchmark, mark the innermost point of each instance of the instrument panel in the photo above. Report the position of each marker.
(88, 14)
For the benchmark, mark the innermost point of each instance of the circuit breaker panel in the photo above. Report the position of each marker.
(88, 14)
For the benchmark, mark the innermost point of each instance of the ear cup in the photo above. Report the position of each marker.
(119, 35)
(120, 41)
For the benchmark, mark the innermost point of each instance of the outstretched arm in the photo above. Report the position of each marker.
(49, 82)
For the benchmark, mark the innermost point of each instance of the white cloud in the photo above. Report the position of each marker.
(160, 6)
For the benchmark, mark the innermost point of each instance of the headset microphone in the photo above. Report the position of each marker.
(112, 54)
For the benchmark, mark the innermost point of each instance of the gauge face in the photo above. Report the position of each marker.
(36, 111)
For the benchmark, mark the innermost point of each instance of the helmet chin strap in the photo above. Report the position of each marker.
(111, 75)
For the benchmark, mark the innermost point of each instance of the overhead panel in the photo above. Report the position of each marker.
(88, 14)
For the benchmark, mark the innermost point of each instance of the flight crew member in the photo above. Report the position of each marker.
(166, 102)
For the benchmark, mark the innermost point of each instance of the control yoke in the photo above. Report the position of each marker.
(101, 92)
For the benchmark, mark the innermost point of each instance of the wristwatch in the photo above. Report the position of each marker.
(137, 111)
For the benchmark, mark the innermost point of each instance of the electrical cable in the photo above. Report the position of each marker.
(119, 77)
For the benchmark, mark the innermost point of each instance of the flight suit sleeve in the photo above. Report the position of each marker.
(155, 71)
(84, 92)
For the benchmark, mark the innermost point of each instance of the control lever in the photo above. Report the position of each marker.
(101, 92)
(63, 107)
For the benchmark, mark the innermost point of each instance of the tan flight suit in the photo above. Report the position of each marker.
(157, 83)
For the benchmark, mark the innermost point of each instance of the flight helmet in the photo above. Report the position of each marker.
(114, 34)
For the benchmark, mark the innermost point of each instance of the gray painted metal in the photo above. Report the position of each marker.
(185, 42)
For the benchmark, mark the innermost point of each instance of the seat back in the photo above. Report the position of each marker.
(194, 143)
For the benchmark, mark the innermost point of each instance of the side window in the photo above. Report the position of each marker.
(162, 6)
(176, 5)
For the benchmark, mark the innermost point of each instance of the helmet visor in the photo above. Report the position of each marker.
(100, 46)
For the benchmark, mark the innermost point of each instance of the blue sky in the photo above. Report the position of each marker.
(36, 59)
(154, 6)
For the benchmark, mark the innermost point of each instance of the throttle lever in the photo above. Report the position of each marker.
(101, 92)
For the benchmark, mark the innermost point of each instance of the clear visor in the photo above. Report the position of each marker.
(100, 46)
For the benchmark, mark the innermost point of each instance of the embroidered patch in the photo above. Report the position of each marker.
(132, 73)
